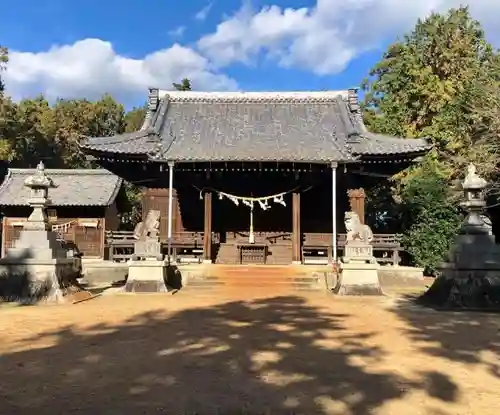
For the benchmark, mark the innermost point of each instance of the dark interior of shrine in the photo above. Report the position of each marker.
(312, 181)
(315, 188)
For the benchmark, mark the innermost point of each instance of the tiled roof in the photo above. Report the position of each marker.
(140, 142)
(75, 187)
(376, 145)
(317, 126)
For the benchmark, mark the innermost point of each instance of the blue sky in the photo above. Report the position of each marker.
(86, 48)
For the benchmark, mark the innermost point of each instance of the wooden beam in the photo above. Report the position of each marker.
(357, 202)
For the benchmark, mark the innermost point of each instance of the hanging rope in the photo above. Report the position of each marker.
(62, 228)
(249, 201)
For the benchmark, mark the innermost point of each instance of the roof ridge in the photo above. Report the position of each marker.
(249, 97)
(82, 172)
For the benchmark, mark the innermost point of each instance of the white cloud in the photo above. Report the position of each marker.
(91, 67)
(326, 37)
(177, 32)
(322, 39)
(203, 13)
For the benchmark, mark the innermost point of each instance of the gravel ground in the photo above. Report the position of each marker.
(247, 353)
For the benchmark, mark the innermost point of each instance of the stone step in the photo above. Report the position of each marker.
(249, 283)
(245, 288)
(244, 278)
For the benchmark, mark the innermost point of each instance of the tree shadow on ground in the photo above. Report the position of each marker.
(266, 356)
(464, 336)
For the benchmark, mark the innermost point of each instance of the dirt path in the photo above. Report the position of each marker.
(253, 354)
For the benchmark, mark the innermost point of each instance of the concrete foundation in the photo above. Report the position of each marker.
(146, 276)
(98, 271)
(203, 276)
(400, 276)
(359, 278)
(34, 280)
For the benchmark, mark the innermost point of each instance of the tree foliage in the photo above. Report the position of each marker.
(34, 129)
(429, 218)
(441, 82)
(417, 88)
(185, 85)
(4, 59)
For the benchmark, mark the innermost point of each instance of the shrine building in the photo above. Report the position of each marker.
(253, 177)
(81, 209)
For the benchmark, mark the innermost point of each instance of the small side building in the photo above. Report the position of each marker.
(82, 208)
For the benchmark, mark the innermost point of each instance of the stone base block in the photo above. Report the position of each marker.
(475, 289)
(359, 279)
(146, 276)
(401, 276)
(31, 281)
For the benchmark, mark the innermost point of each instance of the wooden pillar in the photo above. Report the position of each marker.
(357, 202)
(170, 209)
(207, 232)
(4, 236)
(334, 213)
(296, 236)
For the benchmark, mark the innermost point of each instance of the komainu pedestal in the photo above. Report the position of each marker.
(147, 268)
(359, 268)
(146, 276)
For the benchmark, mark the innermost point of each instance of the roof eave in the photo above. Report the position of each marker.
(302, 161)
(104, 154)
(75, 205)
(115, 192)
(405, 155)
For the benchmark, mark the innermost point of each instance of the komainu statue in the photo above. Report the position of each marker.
(356, 231)
(359, 267)
(149, 229)
(147, 235)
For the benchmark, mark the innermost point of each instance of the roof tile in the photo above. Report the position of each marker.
(75, 187)
(316, 126)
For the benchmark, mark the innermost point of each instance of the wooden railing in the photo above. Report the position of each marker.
(386, 247)
(119, 236)
(120, 244)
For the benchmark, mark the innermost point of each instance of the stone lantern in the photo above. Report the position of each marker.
(38, 261)
(474, 204)
(39, 184)
(470, 275)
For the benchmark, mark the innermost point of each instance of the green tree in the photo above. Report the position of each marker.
(4, 59)
(185, 85)
(429, 217)
(8, 124)
(417, 90)
(431, 84)
(75, 119)
(6, 113)
(32, 138)
(135, 118)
